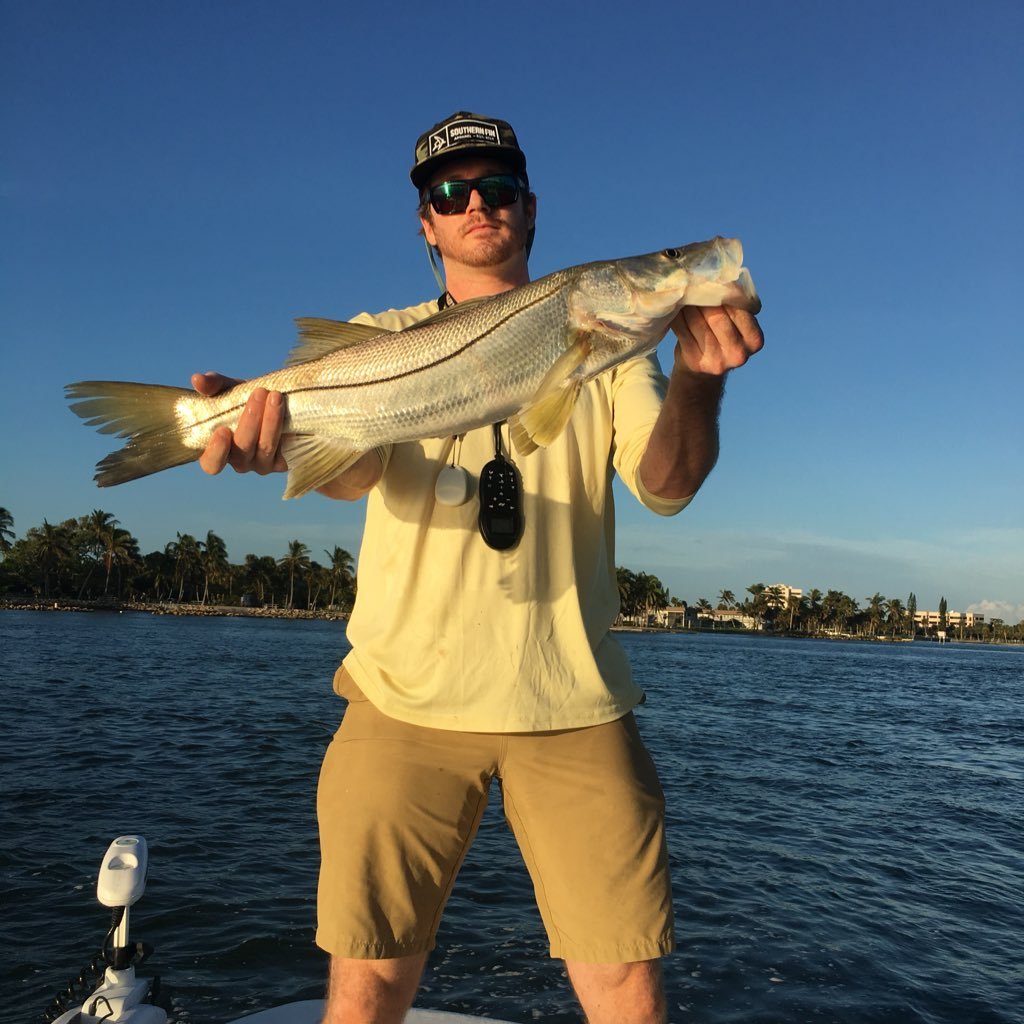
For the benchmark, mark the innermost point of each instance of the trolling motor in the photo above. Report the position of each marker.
(119, 997)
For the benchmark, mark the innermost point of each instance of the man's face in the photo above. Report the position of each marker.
(482, 236)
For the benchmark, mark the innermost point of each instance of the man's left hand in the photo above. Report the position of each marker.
(715, 339)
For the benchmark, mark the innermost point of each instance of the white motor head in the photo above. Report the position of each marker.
(122, 879)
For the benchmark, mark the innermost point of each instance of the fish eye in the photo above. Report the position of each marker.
(672, 254)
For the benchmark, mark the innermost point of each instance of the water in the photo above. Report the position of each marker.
(845, 824)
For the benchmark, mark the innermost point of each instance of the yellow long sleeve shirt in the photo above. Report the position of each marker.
(449, 633)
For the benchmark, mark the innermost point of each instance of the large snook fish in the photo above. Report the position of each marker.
(522, 355)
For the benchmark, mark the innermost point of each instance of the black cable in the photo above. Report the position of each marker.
(88, 979)
(78, 988)
(93, 1010)
(116, 917)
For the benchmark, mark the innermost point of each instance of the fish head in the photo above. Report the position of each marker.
(631, 302)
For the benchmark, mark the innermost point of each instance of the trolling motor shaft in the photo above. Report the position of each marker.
(120, 998)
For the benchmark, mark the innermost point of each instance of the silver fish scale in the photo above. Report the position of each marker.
(477, 365)
(481, 362)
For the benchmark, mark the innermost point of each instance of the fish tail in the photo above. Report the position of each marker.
(146, 414)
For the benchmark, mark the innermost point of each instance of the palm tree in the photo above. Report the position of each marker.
(121, 549)
(158, 572)
(187, 560)
(318, 578)
(626, 579)
(829, 605)
(51, 546)
(726, 600)
(651, 593)
(757, 606)
(297, 559)
(795, 606)
(341, 572)
(838, 608)
(116, 546)
(214, 561)
(6, 531)
(258, 575)
(775, 601)
(876, 612)
(813, 610)
(92, 535)
(897, 615)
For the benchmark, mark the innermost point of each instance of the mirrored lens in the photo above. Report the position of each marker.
(453, 196)
(450, 197)
(501, 191)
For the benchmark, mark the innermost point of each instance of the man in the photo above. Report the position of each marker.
(472, 661)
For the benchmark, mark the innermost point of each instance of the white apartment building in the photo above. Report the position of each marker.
(954, 620)
(785, 592)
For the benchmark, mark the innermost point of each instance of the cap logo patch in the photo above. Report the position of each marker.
(463, 133)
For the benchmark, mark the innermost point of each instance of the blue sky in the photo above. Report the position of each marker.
(178, 181)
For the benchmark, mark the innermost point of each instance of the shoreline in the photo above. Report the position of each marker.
(170, 608)
(329, 615)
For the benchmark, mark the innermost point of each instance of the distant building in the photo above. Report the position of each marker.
(677, 617)
(730, 618)
(954, 620)
(785, 592)
(691, 617)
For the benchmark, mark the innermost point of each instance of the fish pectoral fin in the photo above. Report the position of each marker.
(545, 417)
(319, 337)
(313, 461)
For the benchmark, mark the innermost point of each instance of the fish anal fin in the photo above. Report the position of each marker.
(524, 444)
(313, 461)
(540, 423)
(545, 417)
(319, 337)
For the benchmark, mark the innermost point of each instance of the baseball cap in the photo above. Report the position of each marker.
(464, 134)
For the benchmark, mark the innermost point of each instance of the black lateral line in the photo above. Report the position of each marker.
(398, 376)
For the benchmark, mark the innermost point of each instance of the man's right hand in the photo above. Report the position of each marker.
(255, 445)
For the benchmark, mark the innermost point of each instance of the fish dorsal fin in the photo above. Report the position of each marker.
(540, 422)
(313, 461)
(319, 337)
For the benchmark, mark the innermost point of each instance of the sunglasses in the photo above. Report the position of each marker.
(496, 190)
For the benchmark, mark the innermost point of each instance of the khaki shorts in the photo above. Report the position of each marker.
(399, 806)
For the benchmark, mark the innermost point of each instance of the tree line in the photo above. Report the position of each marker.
(642, 596)
(93, 558)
